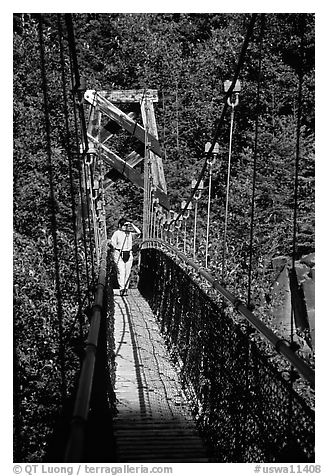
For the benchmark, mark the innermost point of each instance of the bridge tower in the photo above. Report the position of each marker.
(106, 119)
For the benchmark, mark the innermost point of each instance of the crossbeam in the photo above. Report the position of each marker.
(111, 128)
(123, 167)
(132, 159)
(124, 120)
(131, 95)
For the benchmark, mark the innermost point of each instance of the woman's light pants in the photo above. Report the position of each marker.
(123, 270)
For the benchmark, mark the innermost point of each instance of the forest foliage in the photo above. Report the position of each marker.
(186, 57)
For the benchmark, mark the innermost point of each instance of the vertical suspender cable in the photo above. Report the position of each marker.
(79, 166)
(210, 163)
(103, 204)
(227, 194)
(61, 350)
(177, 114)
(195, 228)
(246, 399)
(219, 122)
(151, 209)
(90, 179)
(297, 157)
(297, 160)
(145, 204)
(151, 206)
(147, 181)
(185, 236)
(88, 217)
(251, 240)
(146, 172)
(152, 217)
(80, 172)
(69, 154)
(164, 124)
(101, 210)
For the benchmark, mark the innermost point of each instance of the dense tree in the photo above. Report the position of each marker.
(186, 57)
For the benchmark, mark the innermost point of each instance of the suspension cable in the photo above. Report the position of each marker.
(61, 349)
(255, 161)
(76, 85)
(69, 154)
(219, 122)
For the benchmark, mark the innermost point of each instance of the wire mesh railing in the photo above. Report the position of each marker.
(247, 410)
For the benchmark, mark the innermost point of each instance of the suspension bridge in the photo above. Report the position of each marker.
(168, 373)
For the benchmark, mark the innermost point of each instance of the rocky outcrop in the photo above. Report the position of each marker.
(298, 288)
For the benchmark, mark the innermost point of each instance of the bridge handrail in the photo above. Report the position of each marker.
(278, 343)
(74, 449)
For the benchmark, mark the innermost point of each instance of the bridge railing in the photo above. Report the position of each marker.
(94, 397)
(247, 410)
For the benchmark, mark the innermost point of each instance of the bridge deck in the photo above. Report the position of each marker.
(153, 423)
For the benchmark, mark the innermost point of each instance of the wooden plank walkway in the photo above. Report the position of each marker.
(153, 423)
